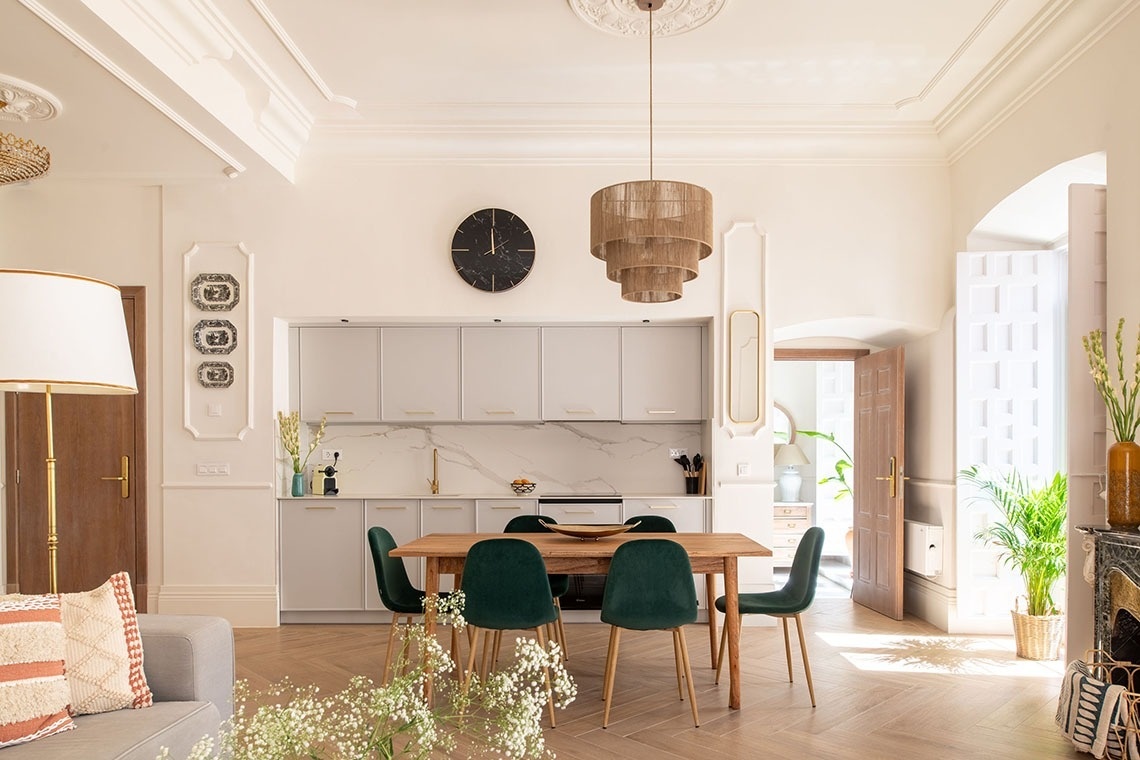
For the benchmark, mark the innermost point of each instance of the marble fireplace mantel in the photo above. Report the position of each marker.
(1116, 588)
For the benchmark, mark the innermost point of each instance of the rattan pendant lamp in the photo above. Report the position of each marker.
(651, 233)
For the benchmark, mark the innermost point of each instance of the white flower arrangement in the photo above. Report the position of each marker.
(500, 716)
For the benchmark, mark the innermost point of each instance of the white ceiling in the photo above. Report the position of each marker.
(179, 90)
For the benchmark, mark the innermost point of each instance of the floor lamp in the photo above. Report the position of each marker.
(61, 333)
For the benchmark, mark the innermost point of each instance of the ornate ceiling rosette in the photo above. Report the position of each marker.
(21, 101)
(625, 19)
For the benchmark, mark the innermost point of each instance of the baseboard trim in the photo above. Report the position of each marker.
(243, 606)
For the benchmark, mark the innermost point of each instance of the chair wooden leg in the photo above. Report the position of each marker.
(606, 669)
(455, 647)
(473, 637)
(677, 662)
(710, 593)
(495, 652)
(688, 675)
(549, 686)
(803, 651)
(393, 632)
(611, 672)
(488, 647)
(720, 655)
(787, 647)
(561, 630)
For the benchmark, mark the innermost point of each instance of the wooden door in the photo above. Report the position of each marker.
(100, 531)
(879, 466)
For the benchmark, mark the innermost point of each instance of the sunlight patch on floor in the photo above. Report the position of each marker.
(953, 655)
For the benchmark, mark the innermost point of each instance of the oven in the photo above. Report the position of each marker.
(582, 509)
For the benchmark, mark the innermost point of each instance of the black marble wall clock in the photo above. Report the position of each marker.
(492, 250)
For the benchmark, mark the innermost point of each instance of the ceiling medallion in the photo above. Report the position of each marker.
(25, 102)
(625, 19)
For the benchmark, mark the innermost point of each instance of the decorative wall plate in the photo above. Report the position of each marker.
(215, 374)
(215, 336)
(215, 292)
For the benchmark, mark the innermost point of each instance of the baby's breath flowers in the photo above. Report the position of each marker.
(500, 716)
(1119, 397)
(290, 427)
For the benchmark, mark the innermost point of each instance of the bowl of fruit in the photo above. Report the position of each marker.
(522, 486)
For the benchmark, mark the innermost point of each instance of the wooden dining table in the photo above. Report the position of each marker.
(711, 554)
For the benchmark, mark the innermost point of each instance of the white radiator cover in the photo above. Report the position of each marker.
(922, 548)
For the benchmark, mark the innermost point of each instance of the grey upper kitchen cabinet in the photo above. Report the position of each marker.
(340, 373)
(581, 373)
(419, 374)
(501, 380)
(662, 373)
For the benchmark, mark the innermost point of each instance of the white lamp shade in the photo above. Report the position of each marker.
(63, 330)
(790, 454)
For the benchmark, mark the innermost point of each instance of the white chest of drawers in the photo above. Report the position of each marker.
(789, 521)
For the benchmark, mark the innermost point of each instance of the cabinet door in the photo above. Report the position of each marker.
(401, 517)
(321, 562)
(581, 373)
(419, 374)
(584, 514)
(662, 373)
(492, 515)
(500, 374)
(448, 516)
(687, 515)
(340, 373)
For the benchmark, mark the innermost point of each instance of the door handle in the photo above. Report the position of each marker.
(892, 479)
(123, 478)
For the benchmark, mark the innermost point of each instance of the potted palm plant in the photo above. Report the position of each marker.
(1032, 537)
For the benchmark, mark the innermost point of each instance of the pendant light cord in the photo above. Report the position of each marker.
(650, 93)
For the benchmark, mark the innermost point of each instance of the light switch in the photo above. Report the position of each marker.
(213, 410)
(743, 469)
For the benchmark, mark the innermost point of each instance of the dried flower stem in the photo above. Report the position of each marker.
(290, 427)
(1119, 397)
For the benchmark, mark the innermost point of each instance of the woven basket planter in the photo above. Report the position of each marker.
(1038, 637)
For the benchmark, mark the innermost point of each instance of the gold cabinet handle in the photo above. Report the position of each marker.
(123, 477)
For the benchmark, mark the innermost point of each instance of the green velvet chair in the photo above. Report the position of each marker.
(651, 524)
(396, 591)
(650, 588)
(559, 584)
(787, 602)
(505, 589)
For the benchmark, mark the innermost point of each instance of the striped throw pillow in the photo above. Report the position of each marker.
(33, 691)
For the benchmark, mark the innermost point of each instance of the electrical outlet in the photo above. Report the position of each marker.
(674, 453)
(328, 455)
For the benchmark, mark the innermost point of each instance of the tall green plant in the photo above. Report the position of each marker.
(843, 465)
(1031, 533)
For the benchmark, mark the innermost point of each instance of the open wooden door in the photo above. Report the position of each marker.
(877, 560)
(101, 521)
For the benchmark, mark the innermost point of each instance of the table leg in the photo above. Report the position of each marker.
(732, 631)
(710, 592)
(431, 587)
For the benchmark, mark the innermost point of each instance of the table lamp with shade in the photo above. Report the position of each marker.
(790, 456)
(61, 333)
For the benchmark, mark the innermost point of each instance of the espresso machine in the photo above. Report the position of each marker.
(324, 481)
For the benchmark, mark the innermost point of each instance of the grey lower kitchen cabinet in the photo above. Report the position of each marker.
(492, 515)
(322, 566)
(663, 373)
(401, 518)
(687, 515)
(447, 516)
(339, 373)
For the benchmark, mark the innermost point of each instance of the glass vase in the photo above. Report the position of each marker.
(1123, 494)
(298, 484)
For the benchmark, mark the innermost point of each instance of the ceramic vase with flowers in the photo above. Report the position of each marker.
(289, 426)
(1122, 496)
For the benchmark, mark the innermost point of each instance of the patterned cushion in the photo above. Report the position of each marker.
(33, 690)
(104, 652)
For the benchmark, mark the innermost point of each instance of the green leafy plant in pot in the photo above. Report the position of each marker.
(1031, 535)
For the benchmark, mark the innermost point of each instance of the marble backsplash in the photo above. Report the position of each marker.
(579, 457)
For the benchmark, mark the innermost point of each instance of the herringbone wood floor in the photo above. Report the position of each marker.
(884, 689)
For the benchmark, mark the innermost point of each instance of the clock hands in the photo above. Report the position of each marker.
(493, 246)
